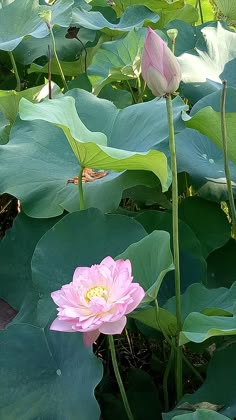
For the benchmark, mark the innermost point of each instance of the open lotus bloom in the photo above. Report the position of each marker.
(97, 300)
(160, 68)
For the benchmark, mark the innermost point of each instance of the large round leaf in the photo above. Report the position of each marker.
(139, 127)
(41, 184)
(47, 375)
(21, 18)
(67, 49)
(203, 161)
(23, 175)
(214, 100)
(36, 165)
(133, 17)
(16, 250)
(200, 122)
(89, 147)
(197, 298)
(203, 216)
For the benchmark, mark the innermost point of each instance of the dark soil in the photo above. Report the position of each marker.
(8, 212)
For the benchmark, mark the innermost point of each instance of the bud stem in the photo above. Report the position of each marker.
(18, 83)
(118, 378)
(226, 166)
(56, 57)
(179, 384)
(81, 192)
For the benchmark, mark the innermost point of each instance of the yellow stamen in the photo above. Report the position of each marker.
(97, 291)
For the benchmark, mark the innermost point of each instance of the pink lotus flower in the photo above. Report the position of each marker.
(160, 68)
(97, 300)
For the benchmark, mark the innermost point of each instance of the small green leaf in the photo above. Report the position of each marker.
(9, 103)
(200, 414)
(198, 327)
(197, 298)
(151, 259)
(160, 321)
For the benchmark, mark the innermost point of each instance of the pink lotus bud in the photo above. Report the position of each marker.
(97, 300)
(160, 68)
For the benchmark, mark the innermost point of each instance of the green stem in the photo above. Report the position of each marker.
(226, 166)
(179, 384)
(199, 4)
(140, 91)
(57, 59)
(118, 378)
(18, 82)
(81, 192)
(172, 344)
(166, 377)
(131, 91)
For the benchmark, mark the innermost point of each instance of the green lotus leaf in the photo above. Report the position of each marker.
(21, 17)
(50, 363)
(150, 262)
(227, 7)
(200, 122)
(133, 17)
(201, 414)
(203, 161)
(117, 60)
(89, 146)
(197, 298)
(9, 104)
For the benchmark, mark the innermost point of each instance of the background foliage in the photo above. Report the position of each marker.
(72, 97)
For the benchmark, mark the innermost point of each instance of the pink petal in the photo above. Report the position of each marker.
(89, 337)
(65, 326)
(116, 327)
(137, 296)
(81, 272)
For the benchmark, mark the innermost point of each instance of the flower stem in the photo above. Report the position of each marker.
(81, 192)
(18, 83)
(57, 59)
(173, 347)
(179, 369)
(166, 377)
(199, 4)
(118, 378)
(226, 166)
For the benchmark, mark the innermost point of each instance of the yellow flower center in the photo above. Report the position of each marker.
(97, 291)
